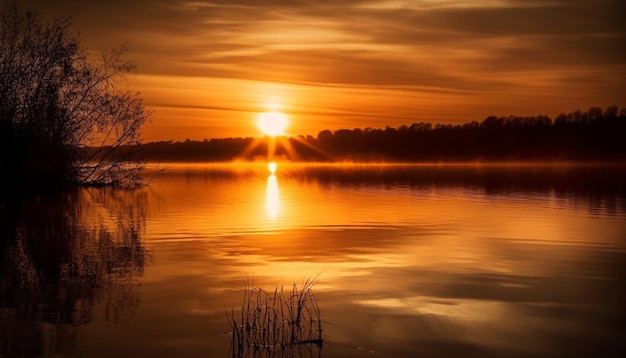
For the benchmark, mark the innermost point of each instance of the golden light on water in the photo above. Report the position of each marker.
(272, 167)
(272, 196)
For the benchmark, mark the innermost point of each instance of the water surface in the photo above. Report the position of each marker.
(429, 261)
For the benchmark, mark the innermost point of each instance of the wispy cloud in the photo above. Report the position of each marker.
(572, 52)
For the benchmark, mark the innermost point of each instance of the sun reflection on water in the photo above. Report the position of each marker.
(272, 195)
(272, 167)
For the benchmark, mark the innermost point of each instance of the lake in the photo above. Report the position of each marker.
(408, 261)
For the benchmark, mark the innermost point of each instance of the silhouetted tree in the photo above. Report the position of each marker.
(62, 117)
(611, 112)
(594, 135)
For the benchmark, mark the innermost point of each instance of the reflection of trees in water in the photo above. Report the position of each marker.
(599, 188)
(61, 255)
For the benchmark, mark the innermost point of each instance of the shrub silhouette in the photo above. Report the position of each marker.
(62, 117)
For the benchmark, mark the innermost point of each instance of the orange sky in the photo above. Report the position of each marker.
(207, 68)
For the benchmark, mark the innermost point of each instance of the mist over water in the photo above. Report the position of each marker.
(429, 261)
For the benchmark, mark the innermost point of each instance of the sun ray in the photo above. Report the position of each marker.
(276, 140)
(254, 144)
(290, 151)
(315, 148)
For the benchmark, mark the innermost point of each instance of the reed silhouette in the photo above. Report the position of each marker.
(277, 324)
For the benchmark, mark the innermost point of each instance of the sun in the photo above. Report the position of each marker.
(272, 123)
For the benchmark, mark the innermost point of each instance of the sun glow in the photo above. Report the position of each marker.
(272, 123)
(272, 167)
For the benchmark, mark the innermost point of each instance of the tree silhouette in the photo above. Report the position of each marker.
(62, 117)
(594, 135)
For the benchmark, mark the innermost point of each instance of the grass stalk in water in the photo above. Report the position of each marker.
(277, 324)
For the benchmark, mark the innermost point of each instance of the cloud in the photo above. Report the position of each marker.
(382, 42)
(489, 50)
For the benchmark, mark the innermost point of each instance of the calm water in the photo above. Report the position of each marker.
(410, 261)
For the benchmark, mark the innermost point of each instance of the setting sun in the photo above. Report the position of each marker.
(272, 123)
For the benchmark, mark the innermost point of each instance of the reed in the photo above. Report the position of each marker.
(281, 323)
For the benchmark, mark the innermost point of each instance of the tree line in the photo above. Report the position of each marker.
(593, 135)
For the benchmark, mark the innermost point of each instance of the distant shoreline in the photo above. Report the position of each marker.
(357, 164)
(593, 136)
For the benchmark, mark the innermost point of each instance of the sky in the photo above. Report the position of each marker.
(207, 69)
